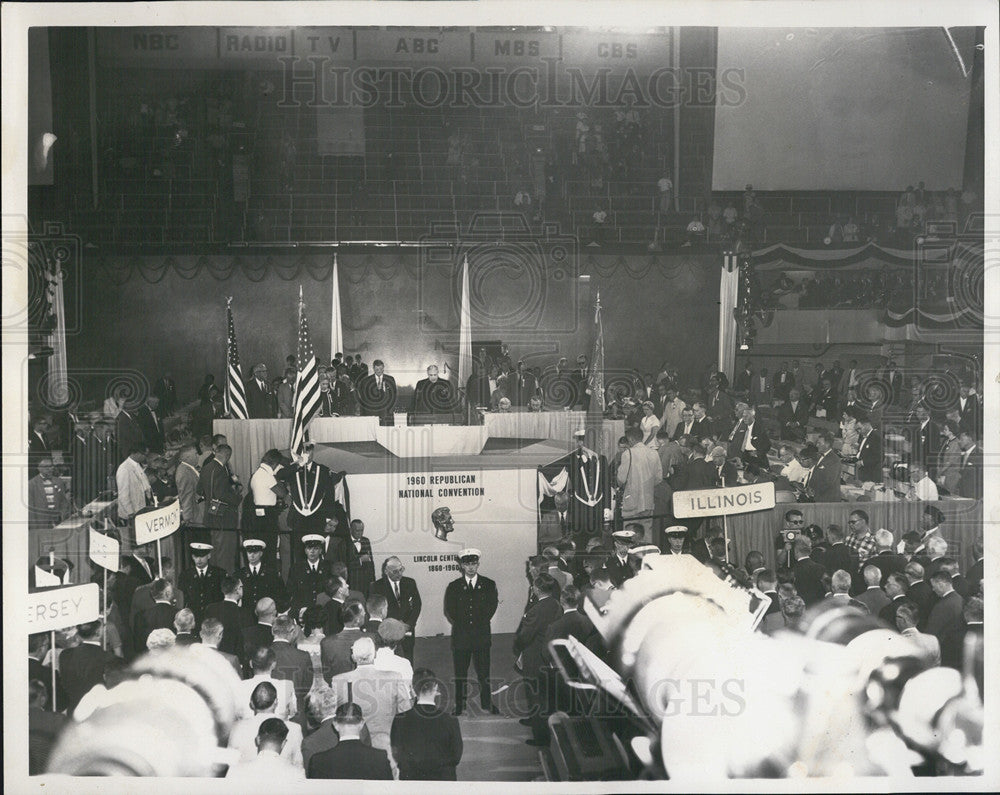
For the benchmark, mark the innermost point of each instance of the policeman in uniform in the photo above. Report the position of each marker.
(260, 579)
(617, 563)
(676, 540)
(469, 605)
(201, 582)
(307, 576)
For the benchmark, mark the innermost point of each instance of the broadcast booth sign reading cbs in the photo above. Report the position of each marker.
(724, 501)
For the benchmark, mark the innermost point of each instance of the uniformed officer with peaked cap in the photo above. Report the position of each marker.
(469, 605)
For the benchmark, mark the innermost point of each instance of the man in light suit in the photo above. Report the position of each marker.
(638, 474)
(403, 600)
(260, 396)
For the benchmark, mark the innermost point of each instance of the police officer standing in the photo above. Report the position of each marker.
(469, 605)
(306, 578)
(202, 582)
(617, 564)
(260, 579)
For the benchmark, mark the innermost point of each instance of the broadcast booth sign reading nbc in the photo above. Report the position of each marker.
(730, 500)
(157, 523)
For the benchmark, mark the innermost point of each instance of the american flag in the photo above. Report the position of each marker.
(235, 395)
(730, 260)
(595, 379)
(306, 401)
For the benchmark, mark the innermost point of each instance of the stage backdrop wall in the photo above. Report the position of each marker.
(493, 510)
(144, 314)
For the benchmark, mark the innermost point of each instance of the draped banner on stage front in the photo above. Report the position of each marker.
(426, 517)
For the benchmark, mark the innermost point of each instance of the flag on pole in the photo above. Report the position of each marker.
(104, 550)
(595, 380)
(465, 332)
(58, 367)
(730, 260)
(336, 324)
(306, 400)
(235, 395)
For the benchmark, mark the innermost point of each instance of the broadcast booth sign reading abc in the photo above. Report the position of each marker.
(157, 523)
(58, 608)
(719, 502)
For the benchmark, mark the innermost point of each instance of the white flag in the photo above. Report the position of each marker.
(104, 550)
(44, 579)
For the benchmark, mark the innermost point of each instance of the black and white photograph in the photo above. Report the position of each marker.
(587, 396)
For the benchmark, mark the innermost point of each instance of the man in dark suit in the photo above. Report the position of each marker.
(159, 616)
(142, 596)
(720, 405)
(617, 564)
(377, 392)
(869, 466)
(925, 440)
(260, 396)
(259, 635)
(946, 621)
(470, 603)
(82, 667)
(896, 586)
(808, 573)
(38, 647)
(872, 597)
(919, 592)
(753, 442)
(335, 648)
(356, 553)
(127, 432)
(824, 482)
(433, 395)
(184, 627)
(259, 580)
(38, 445)
(151, 424)
(969, 411)
(888, 561)
(839, 556)
(530, 648)
(710, 472)
(578, 379)
(44, 727)
(974, 574)
(202, 582)
(229, 612)
(166, 390)
(970, 483)
(222, 503)
(522, 385)
(307, 576)
(403, 599)
(350, 758)
(686, 427)
(793, 415)
(703, 423)
(426, 742)
(291, 664)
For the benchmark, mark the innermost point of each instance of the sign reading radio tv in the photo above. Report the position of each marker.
(157, 523)
(263, 47)
(725, 501)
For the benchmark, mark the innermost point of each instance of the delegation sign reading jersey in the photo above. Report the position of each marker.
(426, 518)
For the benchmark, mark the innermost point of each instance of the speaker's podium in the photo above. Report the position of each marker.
(450, 418)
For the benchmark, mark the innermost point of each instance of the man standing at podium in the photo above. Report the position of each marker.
(433, 395)
(377, 393)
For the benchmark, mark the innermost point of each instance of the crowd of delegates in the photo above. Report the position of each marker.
(324, 657)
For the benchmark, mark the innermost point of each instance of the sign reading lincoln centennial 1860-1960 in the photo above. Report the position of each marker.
(719, 502)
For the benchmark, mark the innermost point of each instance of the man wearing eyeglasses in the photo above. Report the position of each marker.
(403, 600)
(860, 539)
(793, 526)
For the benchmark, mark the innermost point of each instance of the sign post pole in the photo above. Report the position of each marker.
(52, 651)
(159, 558)
(104, 612)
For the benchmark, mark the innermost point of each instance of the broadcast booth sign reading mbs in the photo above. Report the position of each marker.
(157, 523)
(724, 501)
